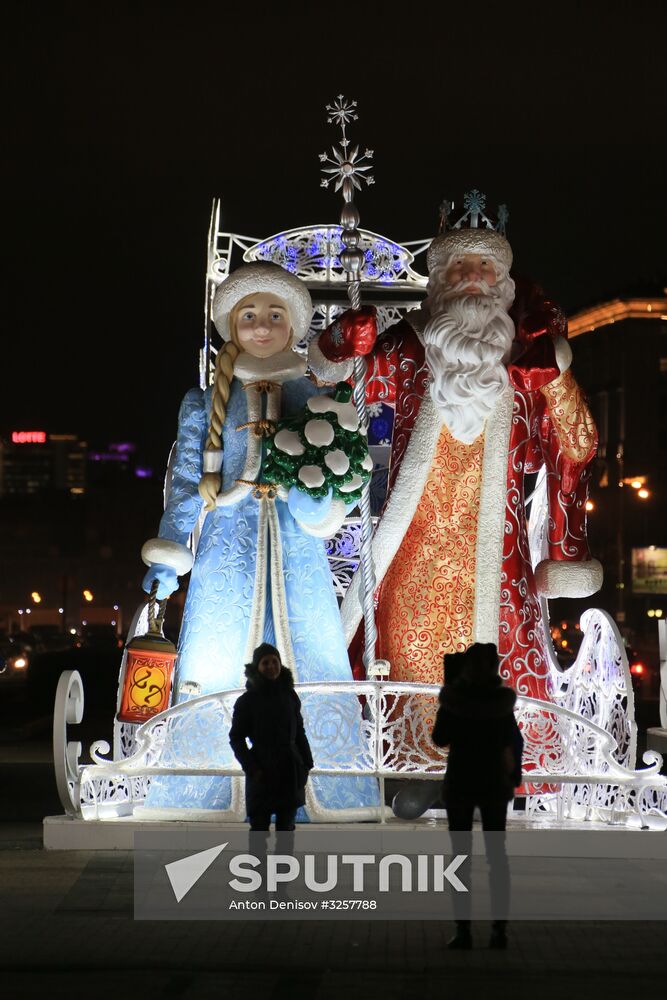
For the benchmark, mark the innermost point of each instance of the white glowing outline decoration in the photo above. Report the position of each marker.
(593, 782)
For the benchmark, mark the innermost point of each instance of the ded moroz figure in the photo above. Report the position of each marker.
(260, 573)
(484, 394)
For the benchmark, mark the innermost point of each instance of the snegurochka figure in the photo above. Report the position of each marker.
(260, 573)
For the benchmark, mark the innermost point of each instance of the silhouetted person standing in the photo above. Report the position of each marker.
(476, 721)
(277, 764)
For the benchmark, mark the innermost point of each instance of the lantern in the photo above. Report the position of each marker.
(149, 669)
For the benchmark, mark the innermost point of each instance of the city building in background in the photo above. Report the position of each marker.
(73, 520)
(32, 461)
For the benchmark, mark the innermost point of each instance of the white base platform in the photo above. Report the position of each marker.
(63, 833)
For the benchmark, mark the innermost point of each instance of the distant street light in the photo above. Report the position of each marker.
(88, 595)
(36, 596)
(643, 494)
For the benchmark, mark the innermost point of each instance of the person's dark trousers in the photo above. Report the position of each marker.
(260, 824)
(494, 820)
(285, 820)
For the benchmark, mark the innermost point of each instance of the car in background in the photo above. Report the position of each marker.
(14, 659)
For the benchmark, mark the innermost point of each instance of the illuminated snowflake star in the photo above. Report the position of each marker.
(343, 164)
(341, 112)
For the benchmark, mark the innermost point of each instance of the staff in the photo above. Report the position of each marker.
(348, 168)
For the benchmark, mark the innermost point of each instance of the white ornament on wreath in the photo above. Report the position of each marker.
(319, 433)
(355, 483)
(289, 442)
(346, 413)
(311, 476)
(337, 461)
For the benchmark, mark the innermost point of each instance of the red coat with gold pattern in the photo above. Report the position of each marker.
(451, 549)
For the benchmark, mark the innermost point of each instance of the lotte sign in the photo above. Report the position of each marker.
(28, 437)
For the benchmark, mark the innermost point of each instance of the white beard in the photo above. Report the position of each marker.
(467, 343)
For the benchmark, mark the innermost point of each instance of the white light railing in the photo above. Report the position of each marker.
(572, 766)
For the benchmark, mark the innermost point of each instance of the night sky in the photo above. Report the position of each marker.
(123, 129)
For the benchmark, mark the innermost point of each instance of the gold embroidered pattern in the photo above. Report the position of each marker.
(571, 417)
(427, 598)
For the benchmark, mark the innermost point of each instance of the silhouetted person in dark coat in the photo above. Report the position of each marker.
(476, 721)
(279, 759)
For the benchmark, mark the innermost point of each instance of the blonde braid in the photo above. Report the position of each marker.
(210, 482)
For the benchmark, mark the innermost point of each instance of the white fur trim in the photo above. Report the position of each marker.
(560, 578)
(491, 521)
(281, 367)
(212, 460)
(173, 554)
(405, 496)
(563, 354)
(258, 609)
(331, 522)
(486, 242)
(253, 462)
(263, 276)
(325, 370)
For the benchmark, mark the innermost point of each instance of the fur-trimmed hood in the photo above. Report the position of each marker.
(257, 682)
(479, 701)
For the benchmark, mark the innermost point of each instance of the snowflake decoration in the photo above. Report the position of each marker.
(474, 201)
(474, 209)
(341, 112)
(342, 164)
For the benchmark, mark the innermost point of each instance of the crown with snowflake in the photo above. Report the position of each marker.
(473, 232)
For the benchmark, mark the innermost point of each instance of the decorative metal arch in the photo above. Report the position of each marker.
(312, 253)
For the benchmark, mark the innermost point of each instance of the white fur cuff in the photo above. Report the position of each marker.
(162, 550)
(212, 461)
(331, 522)
(327, 371)
(563, 354)
(559, 578)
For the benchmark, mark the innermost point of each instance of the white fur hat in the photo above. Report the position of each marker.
(462, 241)
(263, 276)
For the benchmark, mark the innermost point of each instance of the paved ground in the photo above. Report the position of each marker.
(66, 928)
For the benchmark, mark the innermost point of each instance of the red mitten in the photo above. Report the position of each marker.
(536, 365)
(352, 335)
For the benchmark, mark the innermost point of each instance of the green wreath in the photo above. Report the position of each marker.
(321, 448)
